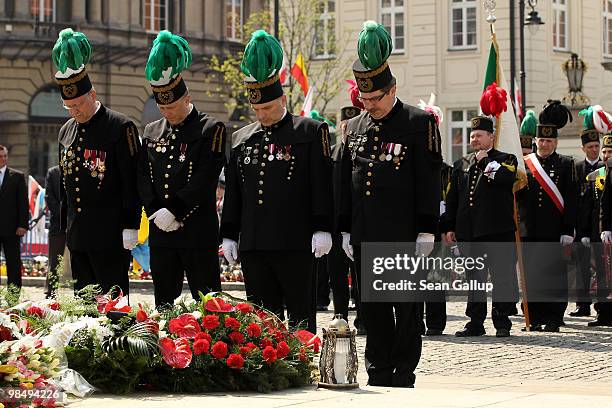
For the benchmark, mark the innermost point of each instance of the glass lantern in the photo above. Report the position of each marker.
(338, 361)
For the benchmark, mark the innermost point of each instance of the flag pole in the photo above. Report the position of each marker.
(519, 258)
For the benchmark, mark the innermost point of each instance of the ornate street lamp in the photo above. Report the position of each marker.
(574, 69)
(338, 361)
(533, 21)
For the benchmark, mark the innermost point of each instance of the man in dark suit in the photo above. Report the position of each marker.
(57, 236)
(178, 174)
(480, 209)
(591, 148)
(13, 216)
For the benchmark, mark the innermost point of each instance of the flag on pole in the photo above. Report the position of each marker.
(298, 71)
(284, 71)
(33, 190)
(518, 101)
(307, 106)
(507, 138)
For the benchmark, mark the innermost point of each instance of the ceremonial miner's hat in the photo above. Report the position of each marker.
(554, 116)
(169, 56)
(589, 133)
(261, 64)
(349, 112)
(482, 123)
(529, 128)
(607, 141)
(374, 46)
(71, 53)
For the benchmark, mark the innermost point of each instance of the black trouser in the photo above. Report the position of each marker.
(583, 275)
(57, 244)
(170, 265)
(434, 313)
(322, 281)
(12, 253)
(272, 278)
(501, 263)
(393, 342)
(106, 268)
(339, 266)
(603, 306)
(546, 282)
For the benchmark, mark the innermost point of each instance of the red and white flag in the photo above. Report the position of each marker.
(284, 71)
(518, 101)
(307, 106)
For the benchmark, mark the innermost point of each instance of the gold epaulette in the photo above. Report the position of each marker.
(217, 142)
(132, 139)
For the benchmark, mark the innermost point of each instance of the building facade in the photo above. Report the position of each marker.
(121, 33)
(441, 47)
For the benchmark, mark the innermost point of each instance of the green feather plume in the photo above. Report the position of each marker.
(374, 45)
(530, 124)
(262, 56)
(588, 117)
(169, 50)
(71, 50)
(314, 114)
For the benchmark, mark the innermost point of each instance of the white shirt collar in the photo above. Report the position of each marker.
(3, 169)
(591, 162)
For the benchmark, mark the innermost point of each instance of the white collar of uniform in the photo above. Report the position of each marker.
(3, 169)
(591, 162)
(98, 106)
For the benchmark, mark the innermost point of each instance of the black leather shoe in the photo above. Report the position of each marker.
(502, 333)
(361, 331)
(581, 311)
(551, 328)
(533, 328)
(470, 332)
(433, 332)
(321, 308)
(599, 323)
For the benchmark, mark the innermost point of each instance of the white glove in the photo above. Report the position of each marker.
(130, 238)
(606, 237)
(586, 241)
(346, 245)
(424, 243)
(491, 169)
(321, 243)
(230, 250)
(163, 218)
(566, 240)
(174, 226)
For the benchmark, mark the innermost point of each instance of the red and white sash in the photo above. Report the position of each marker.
(544, 181)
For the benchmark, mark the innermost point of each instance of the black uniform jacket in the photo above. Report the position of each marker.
(179, 169)
(543, 221)
(391, 176)
(477, 205)
(14, 206)
(99, 196)
(278, 185)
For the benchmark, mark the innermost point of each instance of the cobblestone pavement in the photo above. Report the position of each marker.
(577, 353)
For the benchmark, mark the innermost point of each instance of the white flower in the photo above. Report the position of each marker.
(197, 314)
(162, 324)
(162, 334)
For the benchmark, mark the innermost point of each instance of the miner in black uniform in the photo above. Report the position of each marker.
(549, 202)
(603, 307)
(98, 149)
(591, 148)
(178, 171)
(339, 265)
(390, 193)
(480, 210)
(278, 196)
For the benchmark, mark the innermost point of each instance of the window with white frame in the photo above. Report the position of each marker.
(459, 128)
(463, 24)
(560, 27)
(155, 15)
(43, 10)
(233, 13)
(607, 28)
(325, 30)
(392, 18)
